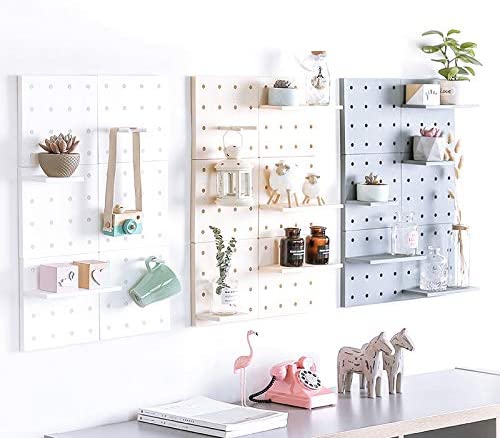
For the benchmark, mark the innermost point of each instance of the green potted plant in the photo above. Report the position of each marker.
(225, 296)
(59, 159)
(456, 59)
(283, 93)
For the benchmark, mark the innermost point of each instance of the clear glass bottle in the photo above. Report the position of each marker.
(292, 248)
(317, 78)
(226, 300)
(404, 235)
(317, 246)
(434, 271)
(459, 257)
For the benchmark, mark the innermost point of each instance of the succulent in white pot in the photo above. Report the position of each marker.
(283, 93)
(59, 159)
(457, 60)
(372, 190)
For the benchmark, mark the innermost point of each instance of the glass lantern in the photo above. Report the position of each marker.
(234, 177)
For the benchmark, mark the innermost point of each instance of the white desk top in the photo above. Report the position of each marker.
(442, 395)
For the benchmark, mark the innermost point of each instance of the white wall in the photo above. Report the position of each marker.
(92, 384)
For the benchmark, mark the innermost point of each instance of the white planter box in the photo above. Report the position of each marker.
(422, 94)
(453, 92)
(428, 148)
(283, 97)
(372, 193)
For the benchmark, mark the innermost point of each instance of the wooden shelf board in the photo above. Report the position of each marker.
(286, 209)
(429, 163)
(295, 270)
(78, 293)
(439, 107)
(380, 259)
(371, 204)
(449, 291)
(299, 107)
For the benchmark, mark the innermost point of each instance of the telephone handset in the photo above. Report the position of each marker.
(296, 383)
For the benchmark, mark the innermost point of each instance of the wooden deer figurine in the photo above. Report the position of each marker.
(366, 361)
(394, 363)
(282, 181)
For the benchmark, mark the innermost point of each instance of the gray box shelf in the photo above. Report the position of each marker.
(380, 259)
(448, 291)
(376, 136)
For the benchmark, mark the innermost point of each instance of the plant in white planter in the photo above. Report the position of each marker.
(59, 159)
(283, 93)
(456, 59)
(225, 297)
(429, 145)
(372, 190)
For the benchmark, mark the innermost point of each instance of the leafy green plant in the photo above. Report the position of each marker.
(456, 57)
(223, 258)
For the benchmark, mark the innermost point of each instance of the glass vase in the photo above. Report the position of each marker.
(225, 300)
(459, 257)
(404, 235)
(434, 271)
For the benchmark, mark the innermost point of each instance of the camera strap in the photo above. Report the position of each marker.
(111, 174)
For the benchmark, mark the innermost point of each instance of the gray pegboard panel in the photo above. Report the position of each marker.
(374, 284)
(425, 192)
(371, 120)
(354, 168)
(376, 135)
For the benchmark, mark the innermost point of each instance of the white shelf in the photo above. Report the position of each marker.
(299, 107)
(372, 204)
(285, 209)
(207, 316)
(439, 107)
(295, 270)
(54, 180)
(381, 259)
(448, 291)
(429, 163)
(78, 293)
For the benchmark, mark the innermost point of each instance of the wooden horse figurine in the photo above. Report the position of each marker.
(366, 361)
(394, 363)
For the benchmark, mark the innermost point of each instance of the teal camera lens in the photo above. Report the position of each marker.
(130, 226)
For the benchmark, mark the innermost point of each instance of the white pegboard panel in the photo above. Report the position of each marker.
(139, 101)
(48, 105)
(155, 205)
(58, 219)
(223, 101)
(301, 136)
(62, 221)
(245, 267)
(241, 222)
(120, 316)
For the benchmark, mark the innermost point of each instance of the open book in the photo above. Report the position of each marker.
(208, 415)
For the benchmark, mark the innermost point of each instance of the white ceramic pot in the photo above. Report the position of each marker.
(283, 97)
(372, 192)
(428, 148)
(451, 92)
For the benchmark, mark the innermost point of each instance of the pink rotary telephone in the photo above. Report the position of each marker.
(295, 383)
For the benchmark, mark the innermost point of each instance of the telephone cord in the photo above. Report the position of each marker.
(262, 391)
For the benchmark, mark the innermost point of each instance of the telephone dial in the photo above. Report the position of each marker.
(295, 383)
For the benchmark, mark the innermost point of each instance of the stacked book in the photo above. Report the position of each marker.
(211, 417)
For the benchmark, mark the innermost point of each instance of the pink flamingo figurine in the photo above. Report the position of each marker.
(241, 364)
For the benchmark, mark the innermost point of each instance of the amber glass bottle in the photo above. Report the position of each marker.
(317, 246)
(292, 248)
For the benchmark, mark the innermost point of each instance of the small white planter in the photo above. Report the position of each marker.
(372, 192)
(452, 92)
(428, 148)
(283, 97)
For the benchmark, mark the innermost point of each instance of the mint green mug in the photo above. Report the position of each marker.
(157, 284)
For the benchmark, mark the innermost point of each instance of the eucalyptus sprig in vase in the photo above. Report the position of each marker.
(225, 295)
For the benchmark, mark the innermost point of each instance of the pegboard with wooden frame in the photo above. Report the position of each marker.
(304, 137)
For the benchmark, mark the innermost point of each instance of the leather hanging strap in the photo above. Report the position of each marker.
(111, 174)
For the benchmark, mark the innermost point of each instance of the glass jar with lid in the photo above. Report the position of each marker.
(292, 248)
(317, 246)
(434, 271)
